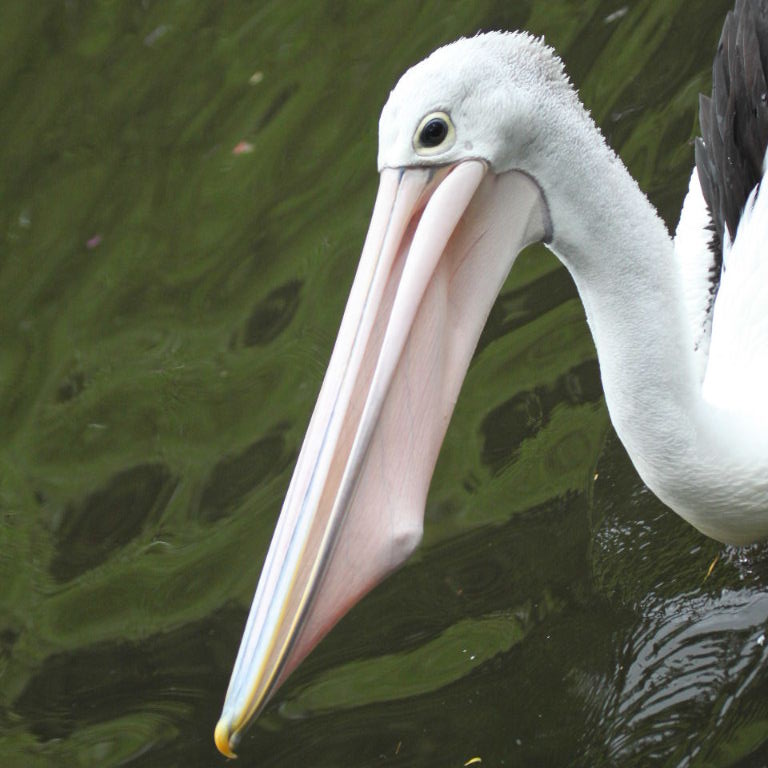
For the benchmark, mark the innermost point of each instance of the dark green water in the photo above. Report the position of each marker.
(167, 307)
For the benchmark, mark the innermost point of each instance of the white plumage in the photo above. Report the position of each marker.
(737, 367)
(696, 263)
(728, 311)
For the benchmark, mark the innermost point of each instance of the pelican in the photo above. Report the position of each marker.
(485, 148)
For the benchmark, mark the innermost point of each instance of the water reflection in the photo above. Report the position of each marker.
(109, 518)
(689, 680)
(168, 307)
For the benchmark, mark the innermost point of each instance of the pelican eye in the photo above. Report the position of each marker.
(434, 134)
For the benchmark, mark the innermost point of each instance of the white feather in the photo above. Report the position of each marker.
(737, 371)
(696, 263)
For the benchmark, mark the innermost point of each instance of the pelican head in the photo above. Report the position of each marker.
(465, 175)
(501, 95)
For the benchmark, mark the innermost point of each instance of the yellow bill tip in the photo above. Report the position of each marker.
(221, 737)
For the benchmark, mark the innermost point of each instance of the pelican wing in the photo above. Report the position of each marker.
(737, 369)
(723, 224)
